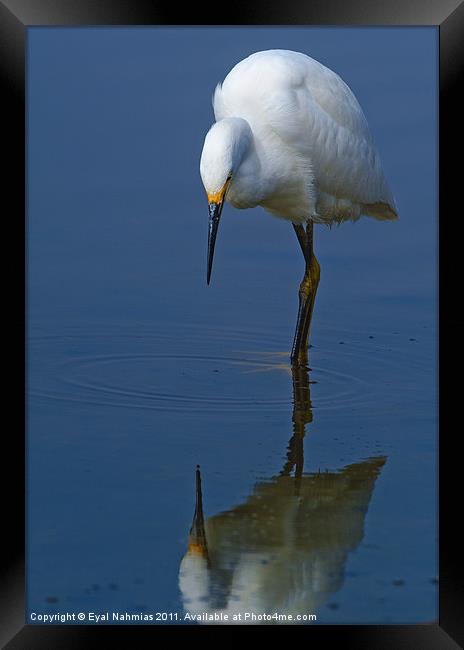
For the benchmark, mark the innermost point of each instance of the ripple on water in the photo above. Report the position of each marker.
(196, 368)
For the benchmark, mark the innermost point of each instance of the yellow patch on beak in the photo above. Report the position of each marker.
(198, 549)
(219, 196)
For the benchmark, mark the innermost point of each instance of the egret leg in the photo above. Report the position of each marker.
(301, 235)
(302, 415)
(307, 295)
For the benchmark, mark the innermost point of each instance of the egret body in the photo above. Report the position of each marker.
(291, 137)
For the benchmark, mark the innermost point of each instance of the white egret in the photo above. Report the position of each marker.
(291, 137)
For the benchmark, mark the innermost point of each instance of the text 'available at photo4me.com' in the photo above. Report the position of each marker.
(167, 617)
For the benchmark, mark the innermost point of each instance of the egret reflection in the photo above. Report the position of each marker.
(285, 548)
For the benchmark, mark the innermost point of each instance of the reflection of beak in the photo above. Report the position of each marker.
(215, 203)
(197, 537)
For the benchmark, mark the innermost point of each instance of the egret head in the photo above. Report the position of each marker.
(226, 144)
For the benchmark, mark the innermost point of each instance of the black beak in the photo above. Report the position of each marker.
(197, 536)
(215, 210)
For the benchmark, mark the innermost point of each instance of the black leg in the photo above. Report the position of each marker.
(302, 415)
(301, 234)
(307, 295)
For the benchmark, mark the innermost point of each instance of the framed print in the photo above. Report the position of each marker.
(206, 444)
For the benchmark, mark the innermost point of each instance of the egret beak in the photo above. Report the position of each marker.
(197, 537)
(215, 204)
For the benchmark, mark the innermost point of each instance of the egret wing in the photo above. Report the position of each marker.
(315, 114)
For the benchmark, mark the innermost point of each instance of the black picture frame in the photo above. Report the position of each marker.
(16, 16)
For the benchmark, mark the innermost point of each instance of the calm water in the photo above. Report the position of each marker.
(319, 490)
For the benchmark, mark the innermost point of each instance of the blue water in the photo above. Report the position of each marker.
(137, 371)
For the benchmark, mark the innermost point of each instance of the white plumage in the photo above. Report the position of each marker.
(292, 137)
